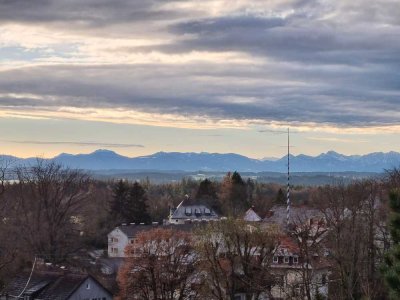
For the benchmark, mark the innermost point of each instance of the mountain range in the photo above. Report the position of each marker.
(177, 161)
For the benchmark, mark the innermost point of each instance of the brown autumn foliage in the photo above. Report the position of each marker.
(160, 264)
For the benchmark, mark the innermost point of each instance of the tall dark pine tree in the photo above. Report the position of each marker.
(136, 208)
(239, 194)
(233, 195)
(391, 268)
(207, 194)
(119, 200)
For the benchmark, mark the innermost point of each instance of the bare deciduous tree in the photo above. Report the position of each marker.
(160, 264)
(48, 203)
(355, 231)
(236, 256)
(308, 233)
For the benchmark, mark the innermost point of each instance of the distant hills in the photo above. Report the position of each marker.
(211, 162)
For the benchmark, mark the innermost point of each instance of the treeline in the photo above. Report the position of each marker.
(52, 213)
(142, 202)
(350, 235)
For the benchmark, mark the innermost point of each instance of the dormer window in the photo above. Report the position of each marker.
(286, 259)
(276, 259)
(207, 211)
(295, 259)
(188, 211)
(197, 212)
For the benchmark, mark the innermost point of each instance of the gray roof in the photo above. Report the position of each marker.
(132, 230)
(47, 285)
(277, 214)
(193, 210)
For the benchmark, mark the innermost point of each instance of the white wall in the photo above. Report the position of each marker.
(119, 242)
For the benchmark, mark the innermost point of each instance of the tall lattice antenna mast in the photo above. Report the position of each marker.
(288, 181)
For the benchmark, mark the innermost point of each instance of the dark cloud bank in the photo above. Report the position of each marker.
(335, 64)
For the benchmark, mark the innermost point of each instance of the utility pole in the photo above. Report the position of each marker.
(288, 180)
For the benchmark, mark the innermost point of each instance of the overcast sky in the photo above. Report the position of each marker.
(139, 77)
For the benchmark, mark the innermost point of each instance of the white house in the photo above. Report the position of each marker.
(121, 236)
(125, 234)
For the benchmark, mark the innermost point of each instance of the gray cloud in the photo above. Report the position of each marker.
(294, 38)
(332, 63)
(89, 13)
(331, 97)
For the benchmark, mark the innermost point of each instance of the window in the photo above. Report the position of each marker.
(286, 259)
(295, 259)
(114, 250)
(276, 259)
(323, 279)
(88, 286)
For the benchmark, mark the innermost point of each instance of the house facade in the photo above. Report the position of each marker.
(125, 234)
(290, 269)
(121, 236)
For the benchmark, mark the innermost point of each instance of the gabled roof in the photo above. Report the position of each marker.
(193, 209)
(48, 285)
(252, 216)
(277, 214)
(132, 230)
(288, 246)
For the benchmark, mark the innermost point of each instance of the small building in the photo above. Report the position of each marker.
(191, 210)
(278, 215)
(252, 216)
(121, 236)
(125, 234)
(55, 286)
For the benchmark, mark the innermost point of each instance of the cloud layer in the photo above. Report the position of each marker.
(308, 63)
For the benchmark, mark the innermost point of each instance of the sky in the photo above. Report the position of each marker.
(139, 77)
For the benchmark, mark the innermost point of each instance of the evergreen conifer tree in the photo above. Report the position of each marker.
(280, 198)
(207, 194)
(136, 208)
(391, 267)
(119, 200)
(233, 195)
